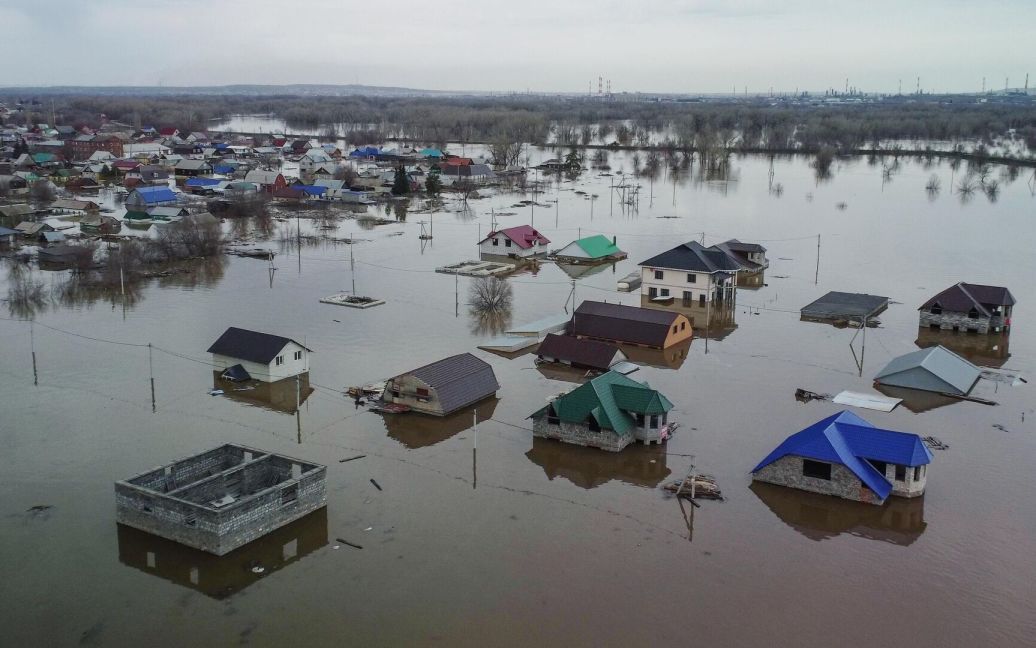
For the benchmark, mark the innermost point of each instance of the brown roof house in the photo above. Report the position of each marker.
(581, 354)
(630, 325)
(974, 308)
(443, 387)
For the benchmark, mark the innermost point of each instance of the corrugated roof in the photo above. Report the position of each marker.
(253, 346)
(598, 246)
(957, 373)
(845, 305)
(459, 380)
(623, 323)
(152, 195)
(962, 297)
(848, 440)
(583, 353)
(692, 257)
(609, 398)
(522, 235)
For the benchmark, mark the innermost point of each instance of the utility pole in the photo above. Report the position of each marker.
(352, 262)
(32, 344)
(474, 450)
(151, 370)
(816, 278)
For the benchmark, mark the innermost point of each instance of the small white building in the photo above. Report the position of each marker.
(264, 357)
(522, 242)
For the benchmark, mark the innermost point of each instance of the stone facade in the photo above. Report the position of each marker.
(580, 434)
(951, 321)
(222, 499)
(788, 471)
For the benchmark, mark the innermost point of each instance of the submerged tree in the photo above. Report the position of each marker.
(401, 183)
(490, 295)
(433, 183)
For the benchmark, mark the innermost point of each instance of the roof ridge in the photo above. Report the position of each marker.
(960, 285)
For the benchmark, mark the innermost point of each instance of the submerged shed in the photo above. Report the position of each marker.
(582, 354)
(443, 387)
(936, 369)
(845, 306)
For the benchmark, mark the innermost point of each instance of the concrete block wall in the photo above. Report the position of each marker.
(787, 471)
(946, 321)
(581, 435)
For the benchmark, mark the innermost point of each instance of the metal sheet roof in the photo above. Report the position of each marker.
(938, 361)
(253, 346)
(459, 380)
(836, 304)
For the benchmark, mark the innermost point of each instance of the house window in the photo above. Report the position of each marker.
(652, 292)
(665, 292)
(878, 465)
(298, 355)
(917, 473)
(688, 297)
(683, 325)
(592, 424)
(936, 309)
(552, 416)
(659, 274)
(279, 360)
(973, 313)
(496, 242)
(900, 473)
(640, 420)
(507, 243)
(675, 329)
(422, 394)
(654, 421)
(289, 494)
(701, 299)
(692, 278)
(816, 469)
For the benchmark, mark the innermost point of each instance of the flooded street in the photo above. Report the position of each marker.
(520, 541)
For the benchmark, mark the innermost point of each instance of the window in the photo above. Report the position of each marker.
(654, 421)
(496, 242)
(298, 355)
(683, 325)
(973, 313)
(701, 299)
(900, 473)
(552, 416)
(652, 292)
(816, 469)
(640, 420)
(289, 494)
(917, 473)
(507, 243)
(675, 329)
(936, 309)
(422, 394)
(592, 424)
(878, 465)
(665, 292)
(189, 519)
(279, 360)
(688, 297)
(692, 278)
(659, 274)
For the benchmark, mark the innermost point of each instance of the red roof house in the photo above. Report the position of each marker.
(521, 241)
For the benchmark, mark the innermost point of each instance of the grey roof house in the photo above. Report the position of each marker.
(443, 387)
(975, 308)
(936, 369)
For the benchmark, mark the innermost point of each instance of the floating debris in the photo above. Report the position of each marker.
(805, 396)
(376, 484)
(352, 301)
(1000, 427)
(477, 268)
(351, 544)
(695, 487)
(351, 458)
(934, 443)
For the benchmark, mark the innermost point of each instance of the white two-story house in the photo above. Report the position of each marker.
(263, 357)
(690, 273)
(522, 241)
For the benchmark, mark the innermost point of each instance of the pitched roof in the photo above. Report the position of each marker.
(584, 353)
(848, 440)
(597, 246)
(840, 304)
(152, 195)
(609, 398)
(250, 345)
(522, 235)
(932, 369)
(738, 246)
(693, 257)
(458, 380)
(623, 323)
(261, 177)
(962, 297)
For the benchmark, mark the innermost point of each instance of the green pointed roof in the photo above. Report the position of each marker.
(598, 246)
(609, 399)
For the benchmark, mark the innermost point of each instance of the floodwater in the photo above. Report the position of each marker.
(525, 542)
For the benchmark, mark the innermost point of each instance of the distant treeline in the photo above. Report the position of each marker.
(728, 123)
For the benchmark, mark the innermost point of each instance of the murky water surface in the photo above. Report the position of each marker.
(550, 544)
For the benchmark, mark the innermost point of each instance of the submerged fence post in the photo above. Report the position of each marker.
(474, 452)
(816, 279)
(151, 370)
(32, 342)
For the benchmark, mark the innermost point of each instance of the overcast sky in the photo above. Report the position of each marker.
(540, 45)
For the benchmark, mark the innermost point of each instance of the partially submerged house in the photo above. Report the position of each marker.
(845, 456)
(443, 387)
(522, 241)
(142, 198)
(750, 257)
(222, 499)
(974, 308)
(629, 325)
(835, 307)
(591, 249)
(578, 353)
(690, 272)
(609, 412)
(242, 354)
(935, 369)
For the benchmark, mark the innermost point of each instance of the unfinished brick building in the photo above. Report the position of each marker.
(222, 499)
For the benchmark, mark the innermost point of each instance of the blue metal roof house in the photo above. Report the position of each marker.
(845, 456)
(143, 197)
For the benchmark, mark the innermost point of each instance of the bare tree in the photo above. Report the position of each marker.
(490, 295)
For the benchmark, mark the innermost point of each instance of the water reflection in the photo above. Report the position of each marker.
(584, 270)
(899, 521)
(991, 350)
(414, 430)
(282, 396)
(916, 400)
(222, 576)
(714, 321)
(588, 468)
(670, 358)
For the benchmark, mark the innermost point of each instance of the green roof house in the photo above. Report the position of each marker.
(609, 412)
(592, 249)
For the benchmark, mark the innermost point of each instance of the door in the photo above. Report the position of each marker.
(652, 292)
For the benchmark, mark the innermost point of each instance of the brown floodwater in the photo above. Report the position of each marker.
(533, 542)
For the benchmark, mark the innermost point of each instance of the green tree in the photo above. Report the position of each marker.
(433, 183)
(401, 183)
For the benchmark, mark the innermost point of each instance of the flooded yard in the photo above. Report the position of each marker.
(527, 541)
